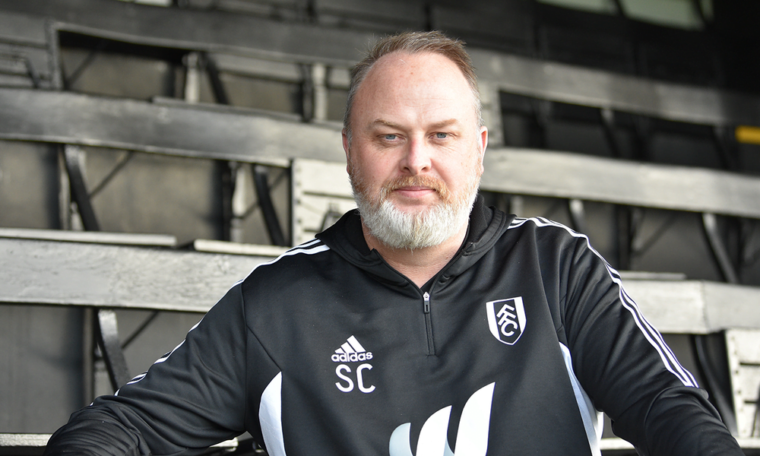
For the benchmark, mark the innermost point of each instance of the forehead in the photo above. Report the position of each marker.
(407, 61)
(404, 83)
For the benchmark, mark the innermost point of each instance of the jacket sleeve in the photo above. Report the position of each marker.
(628, 371)
(190, 399)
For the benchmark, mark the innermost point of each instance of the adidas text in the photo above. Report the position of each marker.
(351, 357)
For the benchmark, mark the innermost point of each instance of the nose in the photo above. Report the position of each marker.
(417, 159)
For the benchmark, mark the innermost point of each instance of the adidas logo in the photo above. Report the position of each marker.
(351, 352)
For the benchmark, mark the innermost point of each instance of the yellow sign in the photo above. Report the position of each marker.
(748, 135)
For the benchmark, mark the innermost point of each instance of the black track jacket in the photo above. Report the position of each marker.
(513, 349)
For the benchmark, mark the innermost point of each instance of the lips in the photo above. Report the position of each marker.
(415, 189)
(415, 193)
(416, 184)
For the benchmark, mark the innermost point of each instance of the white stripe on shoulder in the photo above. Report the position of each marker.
(306, 244)
(309, 248)
(650, 333)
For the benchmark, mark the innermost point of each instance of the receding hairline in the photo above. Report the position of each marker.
(414, 43)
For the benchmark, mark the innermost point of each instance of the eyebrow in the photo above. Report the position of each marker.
(441, 124)
(378, 122)
(444, 123)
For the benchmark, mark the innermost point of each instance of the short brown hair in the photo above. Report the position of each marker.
(413, 43)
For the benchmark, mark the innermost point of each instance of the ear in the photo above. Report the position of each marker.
(483, 143)
(345, 149)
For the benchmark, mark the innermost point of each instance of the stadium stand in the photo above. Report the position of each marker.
(218, 121)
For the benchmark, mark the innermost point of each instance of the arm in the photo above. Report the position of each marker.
(190, 399)
(628, 370)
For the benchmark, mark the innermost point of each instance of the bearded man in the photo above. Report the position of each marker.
(423, 320)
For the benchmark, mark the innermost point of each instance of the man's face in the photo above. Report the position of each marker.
(416, 145)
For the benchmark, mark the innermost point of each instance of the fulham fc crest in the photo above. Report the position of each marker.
(506, 319)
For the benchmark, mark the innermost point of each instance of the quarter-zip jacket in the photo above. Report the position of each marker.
(513, 348)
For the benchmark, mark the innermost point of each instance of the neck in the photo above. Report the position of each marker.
(419, 265)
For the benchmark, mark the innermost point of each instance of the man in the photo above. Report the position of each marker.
(423, 321)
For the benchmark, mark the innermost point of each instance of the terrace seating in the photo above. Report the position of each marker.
(112, 272)
(287, 167)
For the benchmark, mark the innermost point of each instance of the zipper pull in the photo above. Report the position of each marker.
(426, 298)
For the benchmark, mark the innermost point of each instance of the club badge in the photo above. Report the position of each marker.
(506, 319)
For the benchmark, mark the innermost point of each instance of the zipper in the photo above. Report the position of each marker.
(428, 322)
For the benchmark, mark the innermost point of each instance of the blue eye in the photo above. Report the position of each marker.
(389, 137)
(441, 135)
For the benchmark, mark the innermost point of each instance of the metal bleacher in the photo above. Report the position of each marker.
(105, 273)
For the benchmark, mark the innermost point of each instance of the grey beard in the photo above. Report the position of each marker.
(397, 229)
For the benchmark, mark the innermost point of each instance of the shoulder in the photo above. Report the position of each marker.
(555, 243)
(545, 231)
(288, 267)
(541, 224)
(310, 252)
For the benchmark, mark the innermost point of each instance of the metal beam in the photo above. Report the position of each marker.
(108, 341)
(34, 444)
(577, 215)
(211, 31)
(23, 444)
(695, 307)
(566, 175)
(588, 87)
(718, 247)
(264, 197)
(69, 118)
(75, 167)
(155, 240)
(96, 275)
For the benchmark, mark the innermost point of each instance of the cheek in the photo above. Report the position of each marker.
(377, 170)
(363, 177)
(464, 176)
(467, 167)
